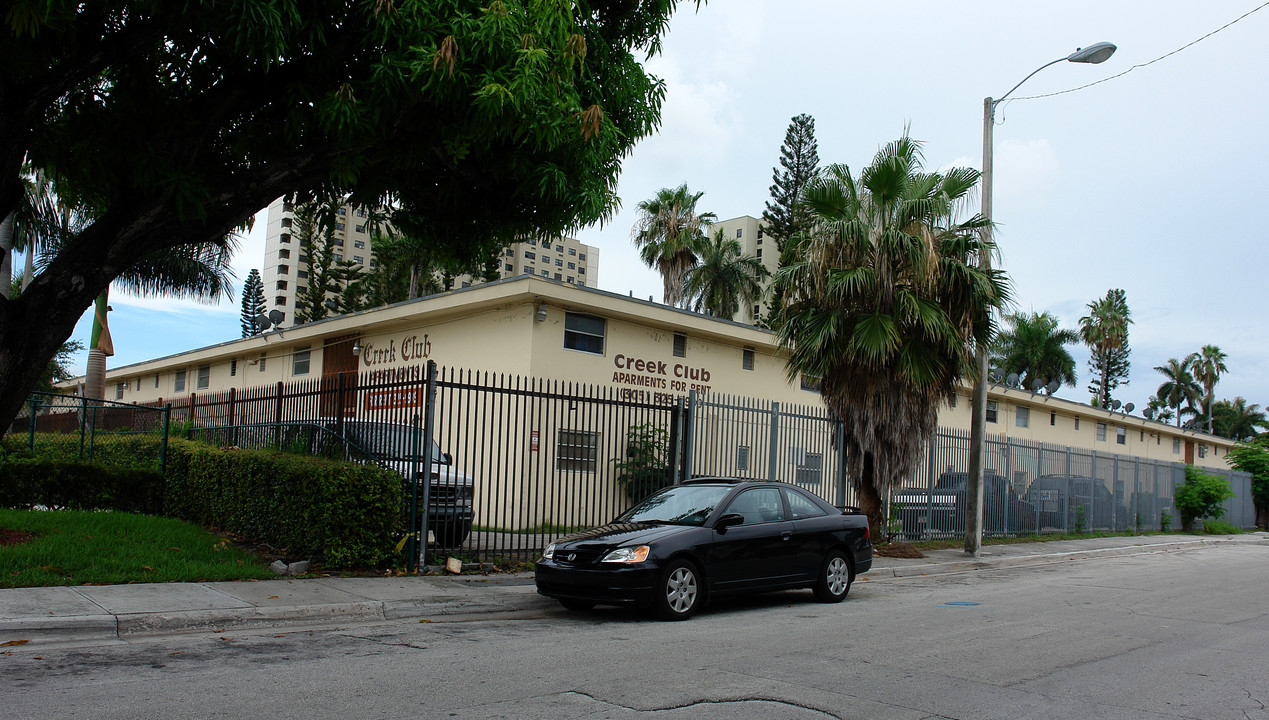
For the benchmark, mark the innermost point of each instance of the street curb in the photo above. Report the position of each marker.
(58, 629)
(970, 565)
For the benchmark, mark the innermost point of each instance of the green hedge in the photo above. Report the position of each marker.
(343, 514)
(29, 482)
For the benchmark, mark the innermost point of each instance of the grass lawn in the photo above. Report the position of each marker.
(72, 547)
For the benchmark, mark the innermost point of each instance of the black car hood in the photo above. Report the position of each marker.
(620, 534)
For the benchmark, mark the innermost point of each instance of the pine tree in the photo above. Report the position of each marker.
(799, 163)
(252, 302)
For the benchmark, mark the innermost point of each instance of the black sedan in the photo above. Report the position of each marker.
(705, 538)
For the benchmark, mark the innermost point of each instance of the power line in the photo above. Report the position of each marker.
(1161, 57)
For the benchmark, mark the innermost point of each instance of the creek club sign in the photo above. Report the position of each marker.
(648, 380)
(410, 348)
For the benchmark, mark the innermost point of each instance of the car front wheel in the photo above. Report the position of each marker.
(678, 594)
(835, 578)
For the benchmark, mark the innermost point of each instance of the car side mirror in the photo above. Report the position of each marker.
(729, 520)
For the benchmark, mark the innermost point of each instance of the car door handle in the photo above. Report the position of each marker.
(786, 534)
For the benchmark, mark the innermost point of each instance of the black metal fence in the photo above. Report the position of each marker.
(518, 461)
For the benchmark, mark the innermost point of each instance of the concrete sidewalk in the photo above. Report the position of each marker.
(102, 613)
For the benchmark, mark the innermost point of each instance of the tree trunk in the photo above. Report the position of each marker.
(6, 256)
(870, 501)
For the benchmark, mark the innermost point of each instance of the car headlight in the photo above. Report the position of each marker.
(549, 552)
(628, 555)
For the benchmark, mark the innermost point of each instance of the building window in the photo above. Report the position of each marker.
(742, 458)
(546, 273)
(576, 450)
(339, 226)
(286, 223)
(281, 284)
(1052, 419)
(558, 276)
(572, 266)
(263, 359)
(301, 275)
(339, 257)
(584, 333)
(156, 381)
(287, 207)
(739, 233)
(572, 251)
(810, 471)
(280, 300)
(342, 211)
(1101, 432)
(680, 345)
(992, 411)
(284, 269)
(951, 401)
(759, 233)
(508, 267)
(361, 212)
(581, 270)
(1202, 451)
(810, 383)
(759, 253)
(179, 384)
(300, 361)
(1022, 417)
(559, 248)
(204, 377)
(530, 255)
(284, 254)
(1121, 435)
(531, 241)
(118, 391)
(359, 259)
(756, 309)
(361, 229)
(1176, 446)
(359, 244)
(233, 367)
(568, 279)
(1077, 423)
(746, 359)
(559, 262)
(581, 257)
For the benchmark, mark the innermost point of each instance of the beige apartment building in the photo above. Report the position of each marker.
(543, 328)
(285, 269)
(748, 231)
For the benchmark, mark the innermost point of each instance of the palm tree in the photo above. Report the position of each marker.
(1207, 365)
(724, 278)
(669, 237)
(1237, 420)
(1158, 410)
(1179, 388)
(1034, 348)
(886, 305)
(1105, 331)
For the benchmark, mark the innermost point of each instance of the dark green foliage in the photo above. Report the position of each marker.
(1200, 497)
(646, 468)
(172, 123)
(25, 483)
(1105, 330)
(1034, 347)
(343, 514)
(253, 304)
(799, 162)
(1253, 457)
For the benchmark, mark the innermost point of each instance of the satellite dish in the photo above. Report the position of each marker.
(996, 375)
(1149, 413)
(1114, 404)
(1012, 380)
(262, 323)
(1052, 387)
(1128, 408)
(1037, 385)
(276, 317)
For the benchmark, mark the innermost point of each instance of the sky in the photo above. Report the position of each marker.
(1151, 181)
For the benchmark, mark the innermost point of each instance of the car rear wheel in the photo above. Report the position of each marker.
(678, 594)
(835, 578)
(577, 605)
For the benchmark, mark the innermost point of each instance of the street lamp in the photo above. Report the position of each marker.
(1092, 54)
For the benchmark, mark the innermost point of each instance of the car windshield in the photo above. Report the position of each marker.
(680, 505)
(387, 441)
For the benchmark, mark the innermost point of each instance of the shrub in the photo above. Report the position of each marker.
(1200, 497)
(1219, 527)
(646, 468)
(30, 482)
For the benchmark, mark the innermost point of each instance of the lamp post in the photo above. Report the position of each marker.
(1093, 54)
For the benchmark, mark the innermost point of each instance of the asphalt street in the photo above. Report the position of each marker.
(1175, 632)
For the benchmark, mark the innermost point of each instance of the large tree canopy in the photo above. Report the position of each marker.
(174, 122)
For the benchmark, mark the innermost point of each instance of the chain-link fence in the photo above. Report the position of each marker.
(76, 428)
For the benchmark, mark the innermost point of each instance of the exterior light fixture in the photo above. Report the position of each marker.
(356, 348)
(541, 311)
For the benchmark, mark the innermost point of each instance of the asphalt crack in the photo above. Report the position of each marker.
(709, 701)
